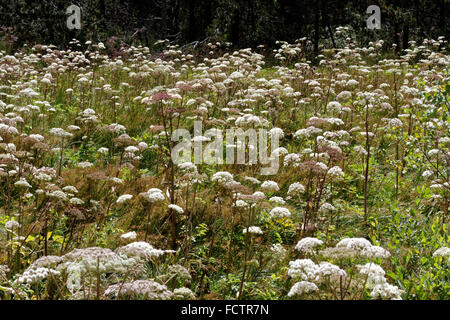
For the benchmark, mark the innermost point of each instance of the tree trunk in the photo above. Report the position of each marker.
(405, 36)
(316, 28)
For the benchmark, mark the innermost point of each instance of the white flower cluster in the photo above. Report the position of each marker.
(149, 289)
(76, 201)
(224, 179)
(70, 189)
(307, 132)
(296, 188)
(360, 150)
(329, 272)
(277, 132)
(302, 287)
(292, 158)
(258, 195)
(371, 276)
(59, 132)
(22, 182)
(176, 208)
(269, 186)
(11, 224)
(103, 150)
(304, 269)
(386, 291)
(307, 245)
(250, 120)
(307, 270)
(183, 293)
(334, 105)
(336, 173)
(115, 127)
(123, 198)
(277, 200)
(280, 151)
(279, 251)
(363, 247)
(427, 174)
(131, 149)
(253, 230)
(35, 275)
(279, 212)
(374, 274)
(188, 167)
(354, 243)
(97, 259)
(355, 247)
(442, 252)
(139, 249)
(57, 194)
(252, 180)
(129, 235)
(3, 272)
(179, 271)
(84, 164)
(373, 252)
(326, 208)
(394, 123)
(153, 195)
(46, 261)
(92, 260)
(241, 204)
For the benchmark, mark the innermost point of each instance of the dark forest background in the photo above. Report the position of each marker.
(244, 23)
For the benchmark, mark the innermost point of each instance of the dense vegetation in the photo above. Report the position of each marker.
(92, 205)
(241, 22)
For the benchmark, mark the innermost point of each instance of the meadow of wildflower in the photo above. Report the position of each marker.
(93, 205)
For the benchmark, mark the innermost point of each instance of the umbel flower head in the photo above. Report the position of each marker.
(304, 269)
(123, 198)
(59, 132)
(177, 270)
(3, 272)
(253, 230)
(296, 188)
(11, 225)
(269, 186)
(386, 291)
(326, 208)
(443, 252)
(147, 289)
(280, 212)
(34, 275)
(373, 272)
(353, 247)
(129, 235)
(176, 208)
(93, 260)
(224, 178)
(306, 245)
(153, 195)
(140, 250)
(22, 183)
(183, 293)
(46, 261)
(302, 287)
(328, 271)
